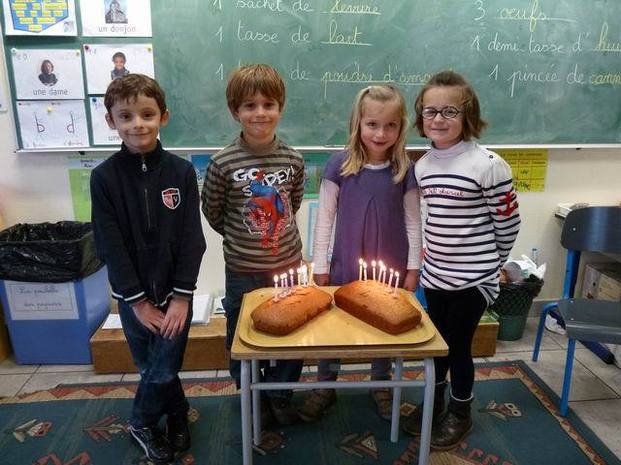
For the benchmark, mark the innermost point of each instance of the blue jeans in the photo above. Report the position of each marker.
(237, 284)
(158, 360)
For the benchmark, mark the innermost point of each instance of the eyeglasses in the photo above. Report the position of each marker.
(449, 112)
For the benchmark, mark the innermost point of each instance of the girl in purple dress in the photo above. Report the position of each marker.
(370, 191)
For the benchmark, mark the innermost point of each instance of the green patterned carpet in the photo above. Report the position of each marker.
(515, 415)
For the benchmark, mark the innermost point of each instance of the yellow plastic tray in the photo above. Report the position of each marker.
(333, 327)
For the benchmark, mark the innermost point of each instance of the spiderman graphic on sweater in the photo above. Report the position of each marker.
(267, 210)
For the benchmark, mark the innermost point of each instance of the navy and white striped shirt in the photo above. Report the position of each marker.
(472, 217)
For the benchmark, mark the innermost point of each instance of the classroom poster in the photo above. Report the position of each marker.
(314, 163)
(116, 18)
(313, 208)
(529, 168)
(46, 124)
(45, 74)
(105, 63)
(200, 163)
(102, 133)
(80, 169)
(39, 18)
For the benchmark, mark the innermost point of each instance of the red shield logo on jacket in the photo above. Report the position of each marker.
(171, 197)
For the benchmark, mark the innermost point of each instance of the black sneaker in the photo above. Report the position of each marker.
(153, 443)
(282, 411)
(178, 432)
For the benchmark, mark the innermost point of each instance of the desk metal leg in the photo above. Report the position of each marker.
(246, 418)
(256, 405)
(425, 437)
(396, 402)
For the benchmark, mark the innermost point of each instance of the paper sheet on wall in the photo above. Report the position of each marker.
(314, 164)
(80, 169)
(39, 18)
(200, 163)
(107, 62)
(102, 134)
(313, 208)
(44, 74)
(116, 18)
(529, 168)
(48, 124)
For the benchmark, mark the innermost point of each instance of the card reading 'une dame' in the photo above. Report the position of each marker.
(47, 74)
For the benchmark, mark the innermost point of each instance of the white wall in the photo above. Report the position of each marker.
(35, 188)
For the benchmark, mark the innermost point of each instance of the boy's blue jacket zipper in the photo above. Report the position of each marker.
(152, 250)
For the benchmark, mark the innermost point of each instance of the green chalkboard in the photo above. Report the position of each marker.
(547, 72)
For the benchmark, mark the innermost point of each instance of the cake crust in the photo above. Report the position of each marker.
(378, 305)
(289, 313)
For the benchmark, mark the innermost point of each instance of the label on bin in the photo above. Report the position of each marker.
(41, 301)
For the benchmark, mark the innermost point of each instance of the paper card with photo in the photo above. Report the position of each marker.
(39, 18)
(45, 74)
(116, 18)
(52, 124)
(102, 134)
(106, 62)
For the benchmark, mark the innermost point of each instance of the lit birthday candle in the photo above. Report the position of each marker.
(275, 287)
(360, 269)
(364, 270)
(283, 280)
(373, 265)
(396, 280)
(291, 281)
(304, 275)
(390, 277)
(382, 273)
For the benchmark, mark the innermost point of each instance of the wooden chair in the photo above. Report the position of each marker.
(591, 229)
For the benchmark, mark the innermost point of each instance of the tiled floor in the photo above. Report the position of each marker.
(595, 389)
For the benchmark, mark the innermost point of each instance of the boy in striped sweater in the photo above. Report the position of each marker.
(252, 190)
(472, 223)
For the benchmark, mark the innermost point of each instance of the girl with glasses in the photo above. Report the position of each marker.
(472, 223)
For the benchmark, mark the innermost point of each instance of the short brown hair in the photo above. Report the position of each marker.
(130, 87)
(473, 123)
(249, 80)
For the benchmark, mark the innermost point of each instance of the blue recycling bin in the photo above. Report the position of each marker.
(52, 323)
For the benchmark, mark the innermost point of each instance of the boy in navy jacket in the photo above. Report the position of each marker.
(146, 220)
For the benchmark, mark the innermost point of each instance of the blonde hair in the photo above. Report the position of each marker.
(473, 124)
(357, 156)
(249, 80)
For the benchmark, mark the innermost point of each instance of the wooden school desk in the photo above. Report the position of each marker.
(350, 339)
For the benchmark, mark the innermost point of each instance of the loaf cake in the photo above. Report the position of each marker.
(288, 313)
(378, 305)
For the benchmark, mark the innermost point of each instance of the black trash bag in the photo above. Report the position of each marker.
(48, 252)
(516, 298)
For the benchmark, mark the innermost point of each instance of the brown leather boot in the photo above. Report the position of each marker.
(413, 423)
(453, 426)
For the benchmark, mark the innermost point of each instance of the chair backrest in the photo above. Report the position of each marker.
(593, 229)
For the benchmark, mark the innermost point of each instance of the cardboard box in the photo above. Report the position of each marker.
(602, 281)
(205, 350)
(206, 347)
